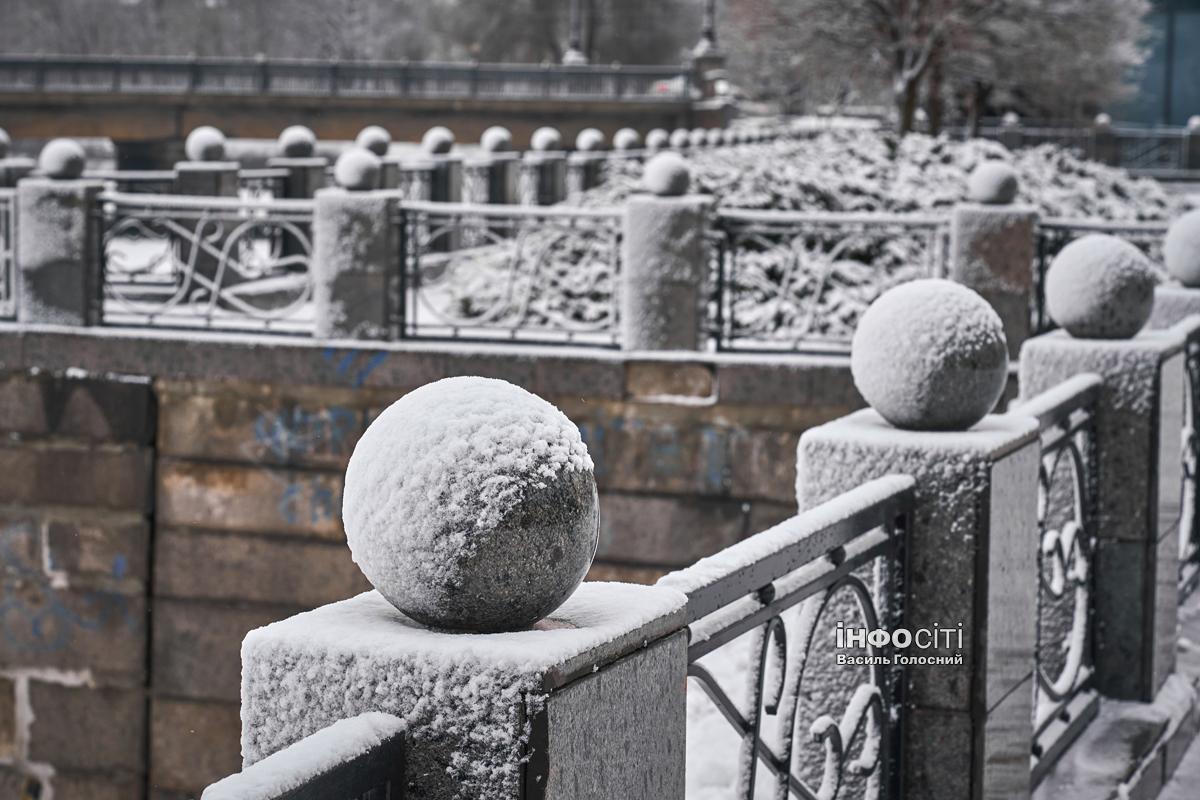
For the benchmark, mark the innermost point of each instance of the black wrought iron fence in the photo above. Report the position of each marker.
(1063, 700)
(497, 273)
(779, 598)
(799, 281)
(1189, 518)
(205, 262)
(8, 242)
(135, 181)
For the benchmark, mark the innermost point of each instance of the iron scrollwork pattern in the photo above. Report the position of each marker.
(205, 262)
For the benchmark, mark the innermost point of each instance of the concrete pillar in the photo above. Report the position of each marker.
(543, 178)
(1010, 131)
(355, 265)
(972, 554)
(491, 178)
(305, 175)
(1139, 420)
(591, 703)
(445, 179)
(207, 178)
(1192, 144)
(664, 265)
(583, 171)
(14, 168)
(991, 251)
(58, 246)
(1172, 305)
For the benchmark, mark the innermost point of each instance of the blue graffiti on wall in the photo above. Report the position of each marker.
(322, 506)
(295, 431)
(47, 627)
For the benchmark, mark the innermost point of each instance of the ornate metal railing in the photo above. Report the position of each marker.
(790, 280)
(310, 77)
(8, 246)
(496, 273)
(136, 181)
(1063, 700)
(773, 601)
(1189, 519)
(262, 184)
(1055, 233)
(205, 262)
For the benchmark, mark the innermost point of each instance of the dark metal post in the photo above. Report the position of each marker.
(576, 35)
(708, 31)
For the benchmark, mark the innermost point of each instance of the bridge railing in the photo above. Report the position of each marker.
(170, 75)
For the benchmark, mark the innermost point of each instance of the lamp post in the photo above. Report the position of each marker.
(574, 56)
(708, 31)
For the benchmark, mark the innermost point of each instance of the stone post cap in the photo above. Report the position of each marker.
(992, 183)
(1181, 249)
(930, 355)
(628, 139)
(438, 140)
(1011, 119)
(666, 175)
(62, 159)
(1100, 287)
(546, 139)
(496, 139)
(471, 505)
(205, 143)
(357, 169)
(1102, 123)
(375, 138)
(698, 137)
(297, 141)
(5, 143)
(715, 136)
(657, 139)
(589, 140)
(1193, 124)
(680, 137)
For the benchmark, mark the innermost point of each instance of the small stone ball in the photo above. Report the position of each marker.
(63, 159)
(680, 138)
(992, 183)
(496, 139)
(698, 137)
(627, 139)
(1011, 119)
(5, 143)
(657, 139)
(589, 140)
(930, 355)
(715, 136)
(471, 505)
(357, 169)
(1102, 122)
(545, 140)
(205, 143)
(374, 138)
(438, 140)
(1100, 287)
(666, 175)
(1193, 123)
(297, 141)
(1181, 249)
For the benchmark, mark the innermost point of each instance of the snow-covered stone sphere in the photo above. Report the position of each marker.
(1100, 287)
(1193, 123)
(930, 355)
(496, 139)
(205, 143)
(5, 143)
(666, 175)
(698, 137)
(63, 159)
(297, 141)
(1102, 122)
(715, 136)
(438, 140)
(992, 183)
(1011, 119)
(680, 138)
(627, 139)
(545, 140)
(589, 140)
(357, 169)
(374, 138)
(471, 505)
(657, 139)
(1181, 249)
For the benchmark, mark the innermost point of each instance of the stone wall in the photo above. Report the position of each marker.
(200, 500)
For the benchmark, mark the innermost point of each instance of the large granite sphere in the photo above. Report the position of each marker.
(496, 139)
(627, 139)
(1181, 249)
(471, 505)
(666, 175)
(205, 143)
(1100, 287)
(545, 140)
(930, 355)
(698, 137)
(992, 183)
(5, 143)
(62, 159)
(589, 140)
(297, 141)
(374, 138)
(680, 138)
(438, 140)
(357, 169)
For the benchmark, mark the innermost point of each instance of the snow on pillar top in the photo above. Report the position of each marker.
(62, 159)
(357, 169)
(374, 138)
(496, 139)
(205, 143)
(666, 175)
(471, 505)
(438, 140)
(1100, 287)
(589, 140)
(930, 355)
(546, 139)
(297, 141)
(5, 142)
(992, 183)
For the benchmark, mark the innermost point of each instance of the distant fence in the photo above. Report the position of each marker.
(307, 77)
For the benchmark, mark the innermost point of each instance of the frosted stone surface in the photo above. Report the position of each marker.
(5, 143)
(715, 136)
(297, 141)
(680, 137)
(666, 175)
(1181, 250)
(589, 140)
(930, 355)
(470, 504)
(63, 159)
(698, 137)
(546, 139)
(656, 139)
(626, 139)
(1100, 287)
(358, 169)
(205, 143)
(992, 183)
(496, 139)
(438, 140)
(374, 138)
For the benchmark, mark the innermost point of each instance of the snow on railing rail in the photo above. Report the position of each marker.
(841, 562)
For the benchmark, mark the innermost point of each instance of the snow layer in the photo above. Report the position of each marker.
(375, 138)
(205, 143)
(315, 755)
(358, 169)
(297, 141)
